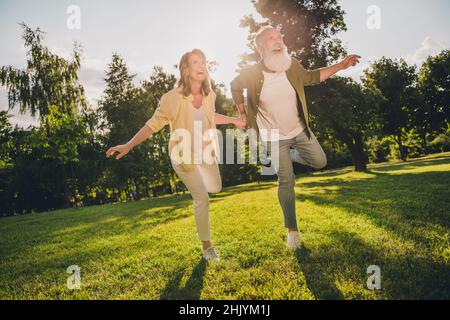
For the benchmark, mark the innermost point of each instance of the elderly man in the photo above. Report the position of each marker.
(277, 110)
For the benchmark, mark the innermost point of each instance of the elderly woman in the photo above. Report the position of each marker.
(190, 110)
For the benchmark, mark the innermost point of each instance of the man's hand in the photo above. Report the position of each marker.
(350, 61)
(243, 118)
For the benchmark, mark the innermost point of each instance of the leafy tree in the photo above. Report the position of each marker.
(5, 138)
(395, 81)
(124, 110)
(432, 114)
(6, 165)
(47, 80)
(309, 28)
(117, 114)
(351, 117)
(45, 163)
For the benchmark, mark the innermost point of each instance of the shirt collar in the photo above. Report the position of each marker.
(190, 97)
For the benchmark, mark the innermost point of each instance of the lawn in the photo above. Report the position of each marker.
(396, 216)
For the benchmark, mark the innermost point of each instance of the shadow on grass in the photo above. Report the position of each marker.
(242, 188)
(403, 276)
(413, 206)
(397, 202)
(52, 233)
(318, 278)
(60, 231)
(193, 287)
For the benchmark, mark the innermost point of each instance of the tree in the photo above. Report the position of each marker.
(47, 80)
(309, 28)
(433, 113)
(124, 110)
(5, 138)
(118, 115)
(395, 81)
(344, 109)
(44, 163)
(6, 166)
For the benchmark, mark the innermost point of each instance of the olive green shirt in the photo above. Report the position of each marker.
(252, 79)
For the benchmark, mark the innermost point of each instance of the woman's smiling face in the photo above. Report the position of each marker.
(197, 68)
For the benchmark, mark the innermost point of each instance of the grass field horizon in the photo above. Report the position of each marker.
(395, 216)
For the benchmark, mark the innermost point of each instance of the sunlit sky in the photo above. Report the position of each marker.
(148, 33)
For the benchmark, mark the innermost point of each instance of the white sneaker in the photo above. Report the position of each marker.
(295, 156)
(293, 241)
(210, 254)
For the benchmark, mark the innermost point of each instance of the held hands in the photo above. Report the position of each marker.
(122, 149)
(351, 60)
(240, 123)
(243, 118)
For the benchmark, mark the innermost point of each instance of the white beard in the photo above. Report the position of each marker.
(277, 62)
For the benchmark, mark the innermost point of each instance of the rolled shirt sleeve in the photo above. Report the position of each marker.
(310, 77)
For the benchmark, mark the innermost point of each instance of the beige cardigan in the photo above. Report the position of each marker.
(176, 110)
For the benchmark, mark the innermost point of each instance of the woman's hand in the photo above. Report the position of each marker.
(240, 123)
(122, 149)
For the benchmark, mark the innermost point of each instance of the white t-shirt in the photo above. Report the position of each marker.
(200, 126)
(278, 108)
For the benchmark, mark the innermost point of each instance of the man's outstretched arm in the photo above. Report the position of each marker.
(327, 72)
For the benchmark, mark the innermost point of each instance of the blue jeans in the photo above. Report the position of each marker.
(308, 152)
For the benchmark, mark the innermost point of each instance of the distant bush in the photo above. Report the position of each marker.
(337, 156)
(441, 143)
(382, 150)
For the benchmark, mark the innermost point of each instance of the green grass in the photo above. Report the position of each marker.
(397, 216)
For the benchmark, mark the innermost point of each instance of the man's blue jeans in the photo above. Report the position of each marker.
(308, 152)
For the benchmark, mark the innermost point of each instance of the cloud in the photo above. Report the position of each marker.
(91, 76)
(428, 47)
(92, 72)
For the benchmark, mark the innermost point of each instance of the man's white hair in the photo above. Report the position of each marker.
(259, 34)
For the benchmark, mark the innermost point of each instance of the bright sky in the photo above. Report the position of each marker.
(148, 33)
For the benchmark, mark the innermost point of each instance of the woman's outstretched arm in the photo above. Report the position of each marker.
(160, 118)
(221, 119)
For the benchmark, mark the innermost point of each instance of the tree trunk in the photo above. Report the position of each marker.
(358, 154)
(403, 152)
(356, 147)
(424, 142)
(66, 193)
